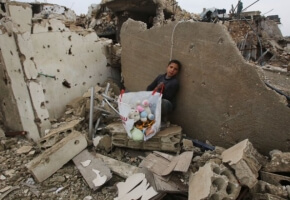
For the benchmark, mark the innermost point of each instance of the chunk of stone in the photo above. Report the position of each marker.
(259, 196)
(54, 158)
(274, 179)
(2, 134)
(23, 149)
(167, 140)
(263, 187)
(103, 142)
(245, 160)
(57, 134)
(280, 162)
(213, 181)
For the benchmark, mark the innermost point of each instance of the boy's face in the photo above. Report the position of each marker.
(172, 69)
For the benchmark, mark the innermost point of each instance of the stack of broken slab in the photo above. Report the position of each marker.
(239, 172)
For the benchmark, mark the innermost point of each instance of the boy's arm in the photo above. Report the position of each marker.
(153, 85)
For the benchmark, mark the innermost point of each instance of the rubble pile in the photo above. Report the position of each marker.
(103, 21)
(257, 44)
(87, 154)
(67, 163)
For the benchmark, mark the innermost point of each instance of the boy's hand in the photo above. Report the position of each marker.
(160, 85)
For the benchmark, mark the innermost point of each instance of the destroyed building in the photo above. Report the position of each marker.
(235, 94)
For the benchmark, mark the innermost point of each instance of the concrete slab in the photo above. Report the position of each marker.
(54, 158)
(279, 162)
(167, 140)
(57, 134)
(222, 98)
(274, 179)
(245, 160)
(21, 13)
(213, 181)
(67, 55)
(39, 106)
(15, 99)
(88, 171)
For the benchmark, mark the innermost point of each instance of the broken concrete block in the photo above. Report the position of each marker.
(39, 107)
(103, 142)
(274, 179)
(18, 109)
(245, 160)
(21, 13)
(24, 149)
(163, 164)
(187, 145)
(213, 181)
(57, 134)
(91, 168)
(264, 187)
(280, 162)
(135, 187)
(266, 196)
(232, 118)
(166, 140)
(2, 134)
(120, 168)
(54, 158)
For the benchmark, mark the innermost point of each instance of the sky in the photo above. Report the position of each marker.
(267, 7)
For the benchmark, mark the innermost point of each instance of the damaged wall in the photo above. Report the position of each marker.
(222, 98)
(45, 64)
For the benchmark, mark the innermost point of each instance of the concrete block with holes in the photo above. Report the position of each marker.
(57, 134)
(166, 140)
(213, 181)
(54, 158)
(246, 161)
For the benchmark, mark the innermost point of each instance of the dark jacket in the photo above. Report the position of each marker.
(170, 89)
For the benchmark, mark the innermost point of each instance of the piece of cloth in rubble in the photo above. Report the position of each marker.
(171, 87)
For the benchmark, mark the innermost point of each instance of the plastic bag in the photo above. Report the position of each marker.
(127, 102)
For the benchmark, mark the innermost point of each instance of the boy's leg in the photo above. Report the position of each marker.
(166, 109)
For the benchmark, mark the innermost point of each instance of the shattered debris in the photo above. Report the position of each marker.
(49, 149)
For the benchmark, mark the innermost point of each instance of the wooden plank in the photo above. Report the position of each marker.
(88, 172)
(120, 168)
(54, 158)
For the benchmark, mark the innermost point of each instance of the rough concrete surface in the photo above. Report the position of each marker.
(222, 98)
(45, 64)
(213, 181)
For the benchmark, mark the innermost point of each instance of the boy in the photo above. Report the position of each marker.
(171, 86)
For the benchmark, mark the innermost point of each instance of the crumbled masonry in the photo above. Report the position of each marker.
(61, 136)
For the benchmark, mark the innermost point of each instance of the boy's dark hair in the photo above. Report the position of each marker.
(176, 62)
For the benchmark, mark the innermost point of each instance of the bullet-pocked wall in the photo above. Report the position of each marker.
(50, 63)
(222, 98)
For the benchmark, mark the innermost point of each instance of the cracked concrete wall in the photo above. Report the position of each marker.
(37, 59)
(222, 98)
(15, 100)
